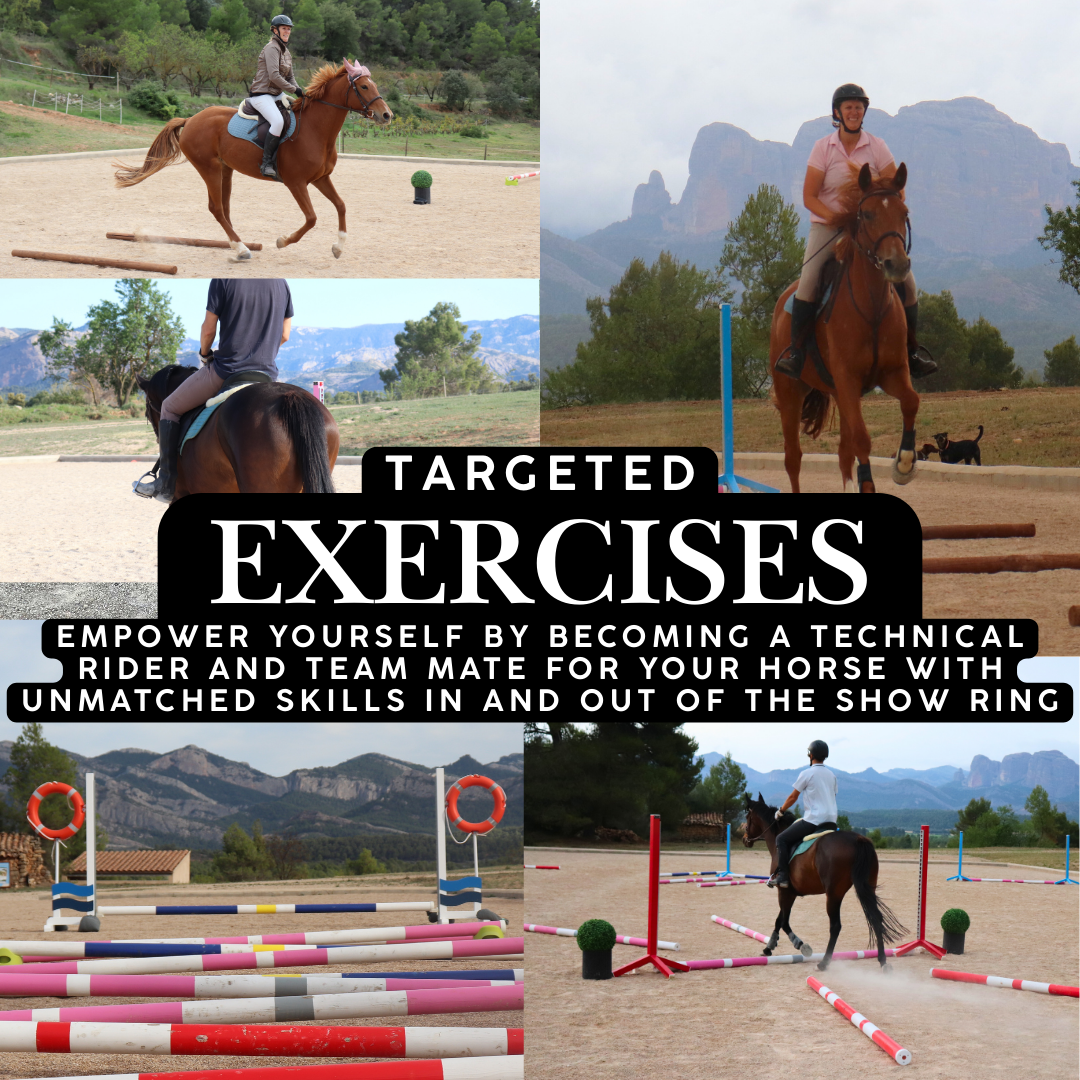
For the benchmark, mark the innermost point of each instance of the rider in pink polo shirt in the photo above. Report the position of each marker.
(827, 172)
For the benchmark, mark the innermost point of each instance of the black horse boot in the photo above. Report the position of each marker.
(802, 320)
(920, 362)
(269, 161)
(169, 449)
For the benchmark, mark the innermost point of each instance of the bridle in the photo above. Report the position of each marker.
(860, 223)
(365, 106)
(749, 841)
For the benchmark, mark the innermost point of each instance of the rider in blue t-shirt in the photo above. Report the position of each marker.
(252, 318)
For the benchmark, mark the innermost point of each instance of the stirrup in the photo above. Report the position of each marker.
(143, 489)
(791, 362)
(921, 363)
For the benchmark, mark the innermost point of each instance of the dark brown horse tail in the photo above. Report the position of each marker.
(164, 150)
(885, 927)
(815, 410)
(303, 420)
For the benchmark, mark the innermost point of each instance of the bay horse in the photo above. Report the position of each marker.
(835, 864)
(862, 338)
(308, 157)
(268, 437)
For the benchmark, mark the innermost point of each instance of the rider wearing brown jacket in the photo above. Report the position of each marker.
(273, 77)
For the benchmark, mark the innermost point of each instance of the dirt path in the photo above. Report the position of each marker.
(764, 1021)
(475, 226)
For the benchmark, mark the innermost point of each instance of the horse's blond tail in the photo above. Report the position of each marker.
(165, 150)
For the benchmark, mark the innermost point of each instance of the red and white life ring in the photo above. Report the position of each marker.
(75, 801)
(469, 826)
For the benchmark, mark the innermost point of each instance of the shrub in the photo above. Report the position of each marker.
(455, 91)
(503, 100)
(365, 863)
(473, 131)
(70, 396)
(955, 921)
(421, 178)
(148, 96)
(16, 399)
(596, 935)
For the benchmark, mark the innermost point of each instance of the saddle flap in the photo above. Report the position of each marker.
(808, 841)
(193, 421)
(250, 124)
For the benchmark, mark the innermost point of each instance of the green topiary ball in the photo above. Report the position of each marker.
(955, 921)
(421, 178)
(596, 935)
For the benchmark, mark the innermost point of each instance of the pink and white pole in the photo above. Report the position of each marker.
(921, 942)
(740, 929)
(871, 1031)
(477, 1068)
(268, 1010)
(796, 958)
(1010, 984)
(622, 939)
(259, 1040)
(663, 965)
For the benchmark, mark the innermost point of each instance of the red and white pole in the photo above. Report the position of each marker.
(871, 1031)
(1010, 984)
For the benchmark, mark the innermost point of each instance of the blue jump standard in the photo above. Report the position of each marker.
(728, 480)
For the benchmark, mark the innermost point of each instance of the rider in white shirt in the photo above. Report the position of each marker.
(817, 786)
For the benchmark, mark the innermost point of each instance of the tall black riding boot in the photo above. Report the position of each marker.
(802, 321)
(269, 161)
(169, 449)
(920, 362)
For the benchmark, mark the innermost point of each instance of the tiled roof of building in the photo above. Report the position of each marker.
(704, 819)
(133, 862)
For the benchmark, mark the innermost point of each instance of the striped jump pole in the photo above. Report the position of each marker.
(238, 986)
(664, 965)
(383, 935)
(1010, 984)
(622, 939)
(871, 1031)
(924, 862)
(719, 884)
(511, 1067)
(740, 929)
(292, 1010)
(265, 909)
(259, 1040)
(457, 949)
(796, 958)
(528, 867)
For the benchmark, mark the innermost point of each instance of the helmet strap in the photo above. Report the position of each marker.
(838, 116)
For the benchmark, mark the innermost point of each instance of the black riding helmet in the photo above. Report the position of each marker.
(847, 92)
(818, 750)
(280, 20)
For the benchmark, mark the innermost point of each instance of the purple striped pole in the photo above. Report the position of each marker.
(265, 909)
(871, 1031)
(381, 935)
(458, 949)
(259, 1041)
(721, 884)
(756, 961)
(622, 939)
(741, 929)
(1014, 881)
(477, 1068)
(269, 1010)
(676, 877)
(237, 986)
(1011, 984)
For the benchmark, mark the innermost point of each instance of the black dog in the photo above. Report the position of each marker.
(952, 453)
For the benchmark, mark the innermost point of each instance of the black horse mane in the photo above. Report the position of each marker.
(164, 381)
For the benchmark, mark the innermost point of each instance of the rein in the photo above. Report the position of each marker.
(364, 110)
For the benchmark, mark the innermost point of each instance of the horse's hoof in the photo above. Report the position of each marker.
(282, 241)
(823, 965)
(902, 477)
(766, 952)
(337, 251)
(244, 256)
(886, 969)
(806, 950)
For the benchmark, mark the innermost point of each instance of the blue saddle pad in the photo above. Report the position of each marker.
(207, 410)
(788, 303)
(809, 842)
(243, 128)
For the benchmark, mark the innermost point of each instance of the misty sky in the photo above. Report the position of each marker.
(322, 302)
(626, 89)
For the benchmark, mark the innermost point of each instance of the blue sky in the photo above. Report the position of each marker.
(318, 302)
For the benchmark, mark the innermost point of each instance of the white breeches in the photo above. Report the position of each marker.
(267, 105)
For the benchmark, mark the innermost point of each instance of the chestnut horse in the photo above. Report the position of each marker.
(308, 157)
(268, 437)
(835, 864)
(862, 339)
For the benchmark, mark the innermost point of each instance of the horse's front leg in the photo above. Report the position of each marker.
(774, 937)
(299, 193)
(832, 906)
(853, 434)
(325, 185)
(897, 384)
(785, 911)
